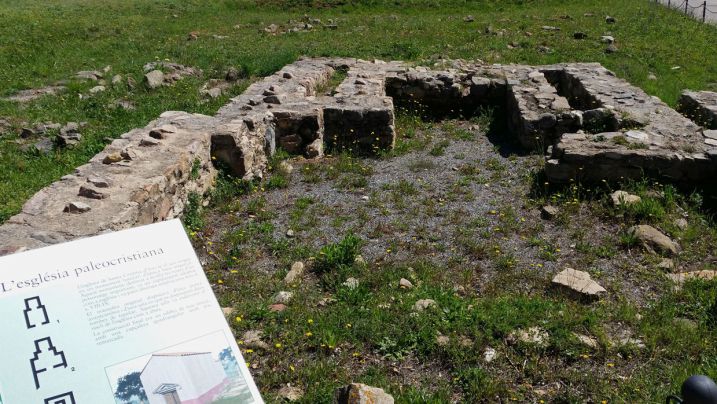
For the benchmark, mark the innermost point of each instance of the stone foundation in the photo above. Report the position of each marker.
(699, 106)
(594, 125)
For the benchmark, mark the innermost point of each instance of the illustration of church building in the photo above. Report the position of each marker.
(183, 378)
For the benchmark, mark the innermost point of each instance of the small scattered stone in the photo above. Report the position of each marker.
(652, 77)
(76, 207)
(116, 80)
(351, 283)
(359, 260)
(405, 284)
(252, 339)
(97, 89)
(666, 264)
(326, 301)
(154, 79)
(290, 233)
(356, 393)
(295, 273)
(469, 18)
(283, 297)
(148, 142)
(653, 240)
(611, 49)
(232, 74)
(681, 223)
(43, 146)
(424, 304)
(610, 20)
(286, 167)
(131, 83)
(277, 308)
(489, 354)
(532, 335)
(89, 192)
(705, 274)
(92, 75)
(291, 393)
(607, 39)
(549, 212)
(620, 198)
(550, 28)
(442, 340)
(580, 35)
(590, 342)
(27, 132)
(580, 282)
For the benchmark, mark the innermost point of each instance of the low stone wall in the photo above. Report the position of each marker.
(143, 177)
(595, 126)
(699, 106)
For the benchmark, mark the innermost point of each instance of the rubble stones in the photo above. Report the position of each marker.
(356, 393)
(92, 75)
(252, 339)
(283, 297)
(294, 275)
(405, 283)
(291, 393)
(533, 335)
(424, 304)
(580, 282)
(704, 274)
(154, 79)
(549, 212)
(653, 240)
(35, 93)
(622, 198)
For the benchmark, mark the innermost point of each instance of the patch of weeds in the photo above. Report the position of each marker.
(495, 165)
(338, 254)
(352, 181)
(192, 218)
(628, 239)
(476, 382)
(311, 173)
(620, 140)
(505, 261)
(196, 167)
(547, 250)
(439, 149)
(334, 261)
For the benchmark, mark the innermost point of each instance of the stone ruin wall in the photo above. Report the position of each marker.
(592, 125)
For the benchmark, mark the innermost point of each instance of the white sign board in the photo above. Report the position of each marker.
(125, 317)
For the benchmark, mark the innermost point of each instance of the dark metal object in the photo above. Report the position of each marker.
(704, 10)
(697, 389)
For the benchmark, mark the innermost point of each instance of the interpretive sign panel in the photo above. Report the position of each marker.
(125, 317)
